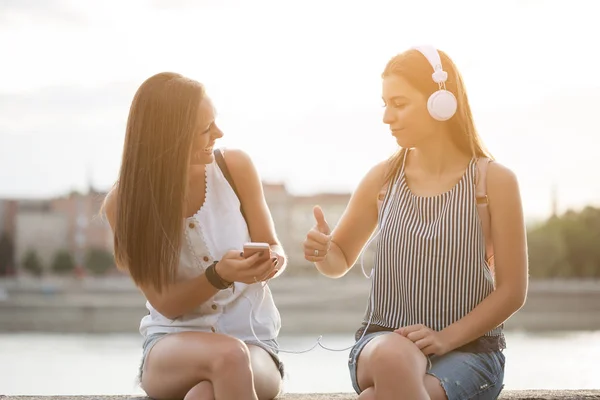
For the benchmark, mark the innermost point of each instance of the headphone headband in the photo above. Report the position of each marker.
(441, 104)
(433, 56)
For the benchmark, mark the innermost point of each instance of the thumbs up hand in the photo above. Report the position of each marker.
(318, 238)
(321, 225)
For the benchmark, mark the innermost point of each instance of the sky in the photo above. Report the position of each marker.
(297, 85)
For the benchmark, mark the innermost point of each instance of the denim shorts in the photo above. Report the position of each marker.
(152, 339)
(463, 376)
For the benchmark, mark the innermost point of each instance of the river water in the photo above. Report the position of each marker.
(60, 364)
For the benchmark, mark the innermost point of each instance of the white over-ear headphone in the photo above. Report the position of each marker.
(442, 103)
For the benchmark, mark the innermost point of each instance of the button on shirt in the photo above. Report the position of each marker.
(215, 229)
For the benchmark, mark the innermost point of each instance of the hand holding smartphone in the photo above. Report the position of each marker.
(248, 267)
(256, 247)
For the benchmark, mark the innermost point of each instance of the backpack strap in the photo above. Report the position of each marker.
(400, 168)
(220, 159)
(481, 200)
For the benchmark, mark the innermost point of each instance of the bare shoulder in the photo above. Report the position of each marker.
(370, 187)
(500, 178)
(359, 220)
(379, 170)
(503, 191)
(374, 182)
(244, 174)
(376, 175)
(110, 207)
(237, 160)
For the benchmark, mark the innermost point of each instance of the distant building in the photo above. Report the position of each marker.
(40, 230)
(73, 222)
(8, 216)
(87, 227)
(8, 222)
(70, 223)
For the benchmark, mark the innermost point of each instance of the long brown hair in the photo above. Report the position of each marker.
(152, 184)
(414, 67)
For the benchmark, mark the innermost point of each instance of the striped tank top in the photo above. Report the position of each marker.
(430, 265)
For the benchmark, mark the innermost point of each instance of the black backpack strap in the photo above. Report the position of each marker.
(223, 167)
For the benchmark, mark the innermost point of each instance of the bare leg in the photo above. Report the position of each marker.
(180, 361)
(202, 391)
(394, 367)
(432, 385)
(434, 388)
(267, 378)
(368, 394)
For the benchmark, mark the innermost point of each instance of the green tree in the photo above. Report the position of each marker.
(32, 263)
(582, 234)
(566, 246)
(99, 261)
(7, 255)
(63, 263)
(548, 253)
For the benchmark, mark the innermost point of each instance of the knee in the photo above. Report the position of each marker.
(268, 393)
(267, 386)
(267, 378)
(395, 353)
(232, 356)
(367, 394)
(202, 391)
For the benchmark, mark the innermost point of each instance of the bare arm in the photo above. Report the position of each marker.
(355, 226)
(511, 266)
(258, 215)
(182, 297)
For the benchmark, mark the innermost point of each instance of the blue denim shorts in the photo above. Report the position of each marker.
(463, 376)
(152, 339)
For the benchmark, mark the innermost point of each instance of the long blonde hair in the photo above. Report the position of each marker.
(152, 184)
(414, 67)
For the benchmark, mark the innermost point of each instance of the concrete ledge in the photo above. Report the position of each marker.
(508, 395)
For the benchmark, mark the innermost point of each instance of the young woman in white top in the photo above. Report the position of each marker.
(179, 233)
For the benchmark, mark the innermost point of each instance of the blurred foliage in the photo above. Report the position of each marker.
(563, 246)
(63, 263)
(566, 246)
(32, 263)
(7, 255)
(99, 261)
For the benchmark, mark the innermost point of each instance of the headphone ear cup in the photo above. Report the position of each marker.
(442, 105)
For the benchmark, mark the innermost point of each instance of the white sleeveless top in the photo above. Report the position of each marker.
(215, 229)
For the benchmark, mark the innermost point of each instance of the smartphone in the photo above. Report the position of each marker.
(256, 247)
